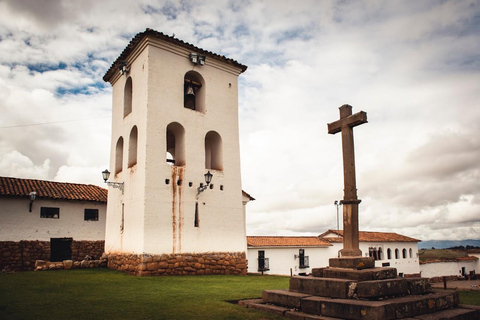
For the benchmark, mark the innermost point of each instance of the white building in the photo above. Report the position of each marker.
(286, 255)
(460, 268)
(175, 120)
(387, 248)
(298, 255)
(65, 221)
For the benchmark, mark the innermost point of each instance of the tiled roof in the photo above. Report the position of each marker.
(274, 241)
(15, 187)
(159, 35)
(369, 236)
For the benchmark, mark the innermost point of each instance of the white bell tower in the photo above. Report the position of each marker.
(174, 126)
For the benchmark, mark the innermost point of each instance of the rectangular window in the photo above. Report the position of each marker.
(46, 212)
(91, 215)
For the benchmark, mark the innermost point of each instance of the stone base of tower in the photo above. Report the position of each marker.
(225, 263)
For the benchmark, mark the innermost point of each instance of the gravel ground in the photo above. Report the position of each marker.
(461, 285)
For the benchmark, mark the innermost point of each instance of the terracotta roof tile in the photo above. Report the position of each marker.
(370, 236)
(274, 241)
(15, 187)
(159, 35)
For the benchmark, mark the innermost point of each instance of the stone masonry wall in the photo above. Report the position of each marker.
(234, 263)
(21, 255)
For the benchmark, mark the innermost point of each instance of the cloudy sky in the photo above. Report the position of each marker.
(413, 66)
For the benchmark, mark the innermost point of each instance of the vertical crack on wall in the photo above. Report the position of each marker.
(174, 205)
(177, 174)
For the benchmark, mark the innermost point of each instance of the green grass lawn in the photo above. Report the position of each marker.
(107, 294)
(441, 254)
(470, 297)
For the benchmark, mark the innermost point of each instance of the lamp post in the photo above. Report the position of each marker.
(208, 179)
(106, 175)
(338, 204)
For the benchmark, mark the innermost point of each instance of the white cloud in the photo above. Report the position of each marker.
(413, 67)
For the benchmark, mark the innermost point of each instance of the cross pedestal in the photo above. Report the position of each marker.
(350, 201)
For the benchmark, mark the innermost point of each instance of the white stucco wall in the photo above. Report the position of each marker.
(17, 223)
(440, 269)
(159, 217)
(282, 259)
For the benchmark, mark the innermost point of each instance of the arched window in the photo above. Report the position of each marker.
(397, 254)
(194, 91)
(389, 253)
(119, 155)
(404, 253)
(380, 254)
(410, 253)
(127, 97)
(175, 153)
(132, 147)
(213, 151)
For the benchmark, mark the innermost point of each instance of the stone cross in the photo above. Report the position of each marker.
(350, 201)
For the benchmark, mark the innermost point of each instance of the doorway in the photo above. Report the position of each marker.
(60, 249)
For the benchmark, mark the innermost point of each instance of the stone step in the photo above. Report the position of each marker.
(392, 287)
(350, 289)
(397, 308)
(402, 307)
(359, 275)
(326, 287)
(464, 312)
(352, 262)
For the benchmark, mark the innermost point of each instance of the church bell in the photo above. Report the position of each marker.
(190, 91)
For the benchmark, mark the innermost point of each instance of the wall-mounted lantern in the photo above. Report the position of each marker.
(208, 179)
(32, 196)
(197, 58)
(123, 67)
(106, 175)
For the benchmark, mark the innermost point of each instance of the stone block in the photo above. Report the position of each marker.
(352, 262)
(284, 298)
(317, 272)
(40, 263)
(382, 288)
(347, 309)
(409, 306)
(152, 266)
(67, 264)
(360, 275)
(326, 287)
(418, 285)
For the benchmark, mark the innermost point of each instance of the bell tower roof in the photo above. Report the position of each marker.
(161, 36)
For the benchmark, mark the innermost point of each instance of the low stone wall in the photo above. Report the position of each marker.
(234, 263)
(440, 279)
(41, 265)
(18, 256)
(82, 249)
(21, 255)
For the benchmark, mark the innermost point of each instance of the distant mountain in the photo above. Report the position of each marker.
(443, 244)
